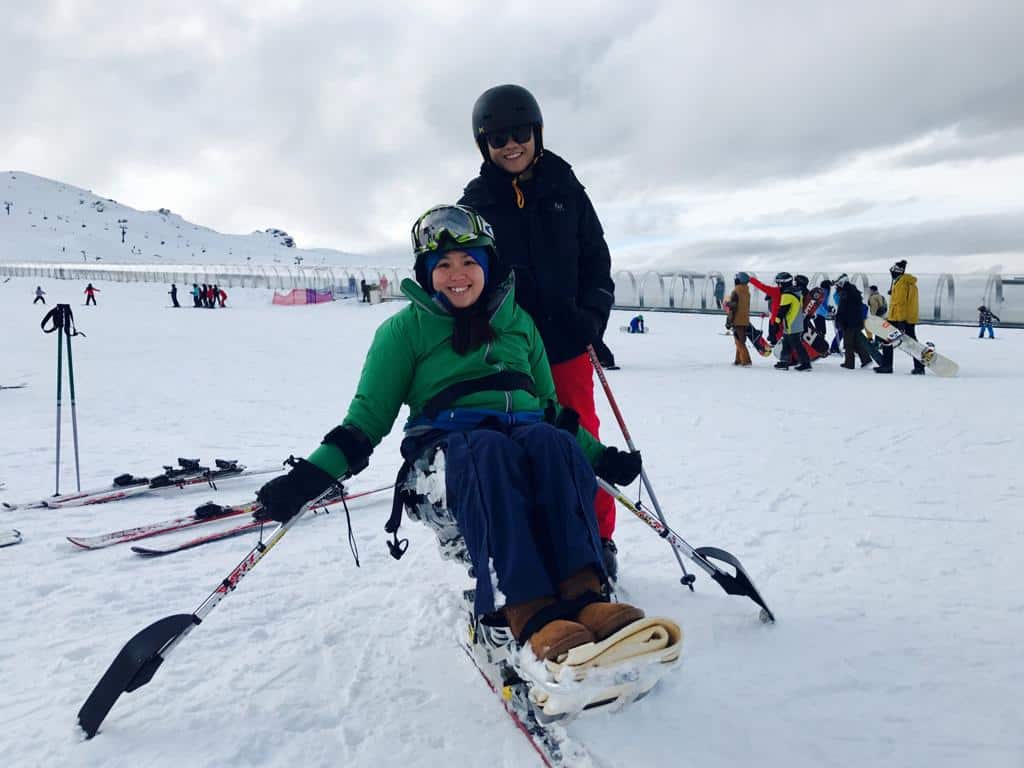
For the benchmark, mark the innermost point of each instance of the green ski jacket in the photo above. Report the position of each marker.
(411, 359)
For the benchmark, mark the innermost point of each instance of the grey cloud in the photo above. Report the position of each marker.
(342, 123)
(965, 147)
(998, 233)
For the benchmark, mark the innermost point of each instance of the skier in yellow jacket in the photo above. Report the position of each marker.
(903, 312)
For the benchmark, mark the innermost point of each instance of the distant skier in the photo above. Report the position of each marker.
(821, 314)
(985, 316)
(40, 293)
(90, 294)
(519, 491)
(739, 317)
(719, 292)
(876, 302)
(196, 301)
(876, 307)
(636, 325)
(222, 295)
(174, 296)
(366, 292)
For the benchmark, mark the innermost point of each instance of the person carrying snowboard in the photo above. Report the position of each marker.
(791, 319)
(553, 240)
(40, 295)
(90, 294)
(739, 317)
(519, 470)
(850, 319)
(903, 313)
(985, 316)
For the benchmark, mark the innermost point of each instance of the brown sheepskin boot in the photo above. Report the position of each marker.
(552, 639)
(603, 619)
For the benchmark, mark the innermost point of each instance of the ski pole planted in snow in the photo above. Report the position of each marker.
(142, 656)
(62, 321)
(687, 578)
(738, 584)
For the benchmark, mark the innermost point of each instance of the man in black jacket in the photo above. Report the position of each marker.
(850, 318)
(550, 235)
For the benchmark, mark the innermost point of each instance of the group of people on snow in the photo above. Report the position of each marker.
(512, 284)
(208, 296)
(795, 305)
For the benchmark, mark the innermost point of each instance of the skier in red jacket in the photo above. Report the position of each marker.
(774, 294)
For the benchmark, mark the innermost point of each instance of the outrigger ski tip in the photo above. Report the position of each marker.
(739, 584)
(133, 667)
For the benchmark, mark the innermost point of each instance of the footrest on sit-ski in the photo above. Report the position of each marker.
(617, 670)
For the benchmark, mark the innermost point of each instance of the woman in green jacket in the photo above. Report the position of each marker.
(519, 470)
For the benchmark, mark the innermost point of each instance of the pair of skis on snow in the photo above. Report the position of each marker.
(188, 474)
(204, 514)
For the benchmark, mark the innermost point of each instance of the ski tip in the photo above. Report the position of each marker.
(78, 542)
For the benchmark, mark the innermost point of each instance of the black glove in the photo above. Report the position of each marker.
(284, 496)
(618, 467)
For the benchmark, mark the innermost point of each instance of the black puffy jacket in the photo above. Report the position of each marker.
(850, 310)
(555, 245)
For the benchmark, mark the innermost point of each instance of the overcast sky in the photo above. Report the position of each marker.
(707, 133)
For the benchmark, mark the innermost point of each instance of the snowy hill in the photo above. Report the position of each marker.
(879, 515)
(46, 220)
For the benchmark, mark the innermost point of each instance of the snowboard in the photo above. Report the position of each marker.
(625, 329)
(814, 343)
(937, 363)
(874, 347)
(760, 341)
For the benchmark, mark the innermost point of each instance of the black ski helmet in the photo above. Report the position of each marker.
(782, 278)
(802, 281)
(503, 107)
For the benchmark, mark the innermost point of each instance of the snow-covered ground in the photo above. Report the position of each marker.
(879, 515)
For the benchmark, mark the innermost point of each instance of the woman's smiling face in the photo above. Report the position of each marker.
(458, 278)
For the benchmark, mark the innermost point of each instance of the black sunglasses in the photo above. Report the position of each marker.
(521, 134)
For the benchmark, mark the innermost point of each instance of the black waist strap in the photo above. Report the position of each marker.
(506, 381)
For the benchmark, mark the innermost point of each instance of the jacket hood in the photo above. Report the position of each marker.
(494, 299)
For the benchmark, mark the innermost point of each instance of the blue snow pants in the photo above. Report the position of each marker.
(983, 328)
(523, 497)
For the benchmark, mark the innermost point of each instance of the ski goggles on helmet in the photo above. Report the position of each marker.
(520, 134)
(460, 224)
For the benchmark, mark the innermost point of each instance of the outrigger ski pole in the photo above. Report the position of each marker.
(688, 578)
(738, 584)
(142, 656)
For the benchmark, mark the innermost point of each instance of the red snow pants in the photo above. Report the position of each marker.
(574, 385)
